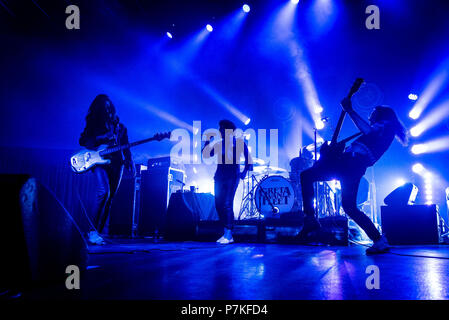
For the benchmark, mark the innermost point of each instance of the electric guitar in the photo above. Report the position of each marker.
(331, 151)
(86, 159)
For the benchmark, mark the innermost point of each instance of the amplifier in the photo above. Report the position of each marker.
(157, 184)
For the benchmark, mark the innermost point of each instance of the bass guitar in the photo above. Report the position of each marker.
(332, 150)
(86, 159)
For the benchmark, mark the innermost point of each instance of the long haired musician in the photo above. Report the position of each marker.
(103, 127)
(378, 133)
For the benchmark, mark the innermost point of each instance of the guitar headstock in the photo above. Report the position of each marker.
(355, 86)
(162, 135)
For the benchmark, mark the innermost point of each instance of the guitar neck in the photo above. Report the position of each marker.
(338, 127)
(125, 146)
(355, 87)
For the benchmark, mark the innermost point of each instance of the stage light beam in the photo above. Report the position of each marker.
(209, 28)
(418, 168)
(431, 90)
(437, 115)
(246, 8)
(437, 145)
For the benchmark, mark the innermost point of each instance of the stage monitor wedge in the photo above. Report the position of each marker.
(403, 195)
(39, 238)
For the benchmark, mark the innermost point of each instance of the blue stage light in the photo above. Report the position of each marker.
(294, 1)
(436, 116)
(416, 131)
(414, 114)
(169, 35)
(399, 182)
(436, 145)
(419, 148)
(413, 96)
(247, 121)
(246, 8)
(418, 168)
(209, 28)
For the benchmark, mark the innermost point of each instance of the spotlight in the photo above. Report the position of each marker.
(416, 131)
(419, 148)
(319, 124)
(294, 1)
(318, 109)
(169, 35)
(418, 168)
(209, 28)
(247, 121)
(400, 182)
(246, 8)
(413, 97)
(414, 114)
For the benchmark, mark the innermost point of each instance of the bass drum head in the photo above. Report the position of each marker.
(277, 190)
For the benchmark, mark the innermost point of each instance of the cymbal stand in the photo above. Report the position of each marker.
(247, 208)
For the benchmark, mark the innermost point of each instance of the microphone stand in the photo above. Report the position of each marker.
(315, 130)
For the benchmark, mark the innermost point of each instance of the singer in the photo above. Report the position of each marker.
(228, 174)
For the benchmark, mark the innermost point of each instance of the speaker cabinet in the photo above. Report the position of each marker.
(39, 238)
(157, 184)
(417, 224)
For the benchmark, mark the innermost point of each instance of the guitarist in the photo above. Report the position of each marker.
(103, 127)
(377, 135)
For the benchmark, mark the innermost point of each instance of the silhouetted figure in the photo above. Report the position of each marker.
(228, 174)
(104, 128)
(349, 168)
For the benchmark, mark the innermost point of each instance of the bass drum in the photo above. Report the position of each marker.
(277, 190)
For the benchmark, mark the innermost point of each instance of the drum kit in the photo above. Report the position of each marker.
(269, 192)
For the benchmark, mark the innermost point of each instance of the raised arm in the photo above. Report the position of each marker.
(360, 123)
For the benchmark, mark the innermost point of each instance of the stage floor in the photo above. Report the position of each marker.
(142, 269)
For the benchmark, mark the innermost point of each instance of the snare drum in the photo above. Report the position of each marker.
(277, 190)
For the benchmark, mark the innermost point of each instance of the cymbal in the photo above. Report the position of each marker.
(256, 162)
(311, 147)
(269, 170)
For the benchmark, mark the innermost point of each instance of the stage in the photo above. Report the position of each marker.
(142, 269)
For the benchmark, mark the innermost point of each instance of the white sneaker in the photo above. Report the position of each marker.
(95, 238)
(224, 240)
(379, 246)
